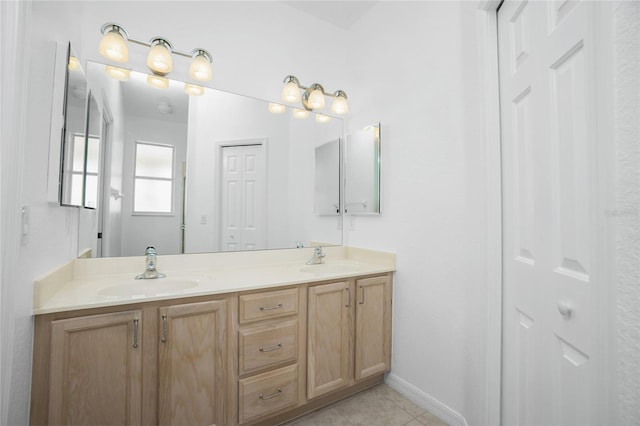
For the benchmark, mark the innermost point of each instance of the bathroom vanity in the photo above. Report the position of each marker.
(225, 339)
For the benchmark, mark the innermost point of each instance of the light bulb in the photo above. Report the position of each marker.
(291, 92)
(200, 68)
(113, 46)
(159, 58)
(118, 73)
(300, 114)
(157, 82)
(340, 105)
(193, 89)
(321, 118)
(276, 108)
(316, 99)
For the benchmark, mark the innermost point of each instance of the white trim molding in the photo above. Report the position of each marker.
(426, 401)
(490, 90)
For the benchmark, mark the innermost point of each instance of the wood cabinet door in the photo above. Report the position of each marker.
(373, 326)
(96, 374)
(328, 349)
(192, 356)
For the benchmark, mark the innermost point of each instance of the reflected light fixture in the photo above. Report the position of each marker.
(276, 108)
(74, 64)
(113, 46)
(321, 118)
(157, 81)
(118, 73)
(313, 97)
(300, 114)
(193, 89)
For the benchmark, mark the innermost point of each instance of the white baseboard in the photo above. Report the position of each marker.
(435, 407)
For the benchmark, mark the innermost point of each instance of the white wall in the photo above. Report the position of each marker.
(414, 67)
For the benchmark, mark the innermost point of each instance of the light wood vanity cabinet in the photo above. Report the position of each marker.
(259, 357)
(337, 344)
(96, 369)
(192, 361)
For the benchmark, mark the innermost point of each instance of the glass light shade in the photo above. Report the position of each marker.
(339, 105)
(157, 82)
(193, 89)
(159, 59)
(114, 47)
(316, 99)
(300, 114)
(74, 64)
(291, 92)
(321, 118)
(276, 108)
(118, 73)
(200, 68)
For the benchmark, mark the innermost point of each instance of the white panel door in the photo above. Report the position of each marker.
(243, 198)
(551, 345)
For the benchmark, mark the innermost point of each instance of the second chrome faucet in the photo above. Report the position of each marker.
(317, 258)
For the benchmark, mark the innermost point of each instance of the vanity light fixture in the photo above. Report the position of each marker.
(313, 97)
(113, 47)
(276, 108)
(159, 58)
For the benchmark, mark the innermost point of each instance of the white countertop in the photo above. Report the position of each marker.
(94, 283)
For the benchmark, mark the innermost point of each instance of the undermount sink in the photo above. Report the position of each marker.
(329, 268)
(146, 288)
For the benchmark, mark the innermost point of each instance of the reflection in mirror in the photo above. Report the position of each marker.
(363, 171)
(206, 173)
(73, 142)
(92, 154)
(327, 178)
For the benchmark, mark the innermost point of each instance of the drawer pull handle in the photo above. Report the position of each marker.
(272, 348)
(135, 332)
(271, 308)
(278, 393)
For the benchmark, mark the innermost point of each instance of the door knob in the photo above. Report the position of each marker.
(564, 308)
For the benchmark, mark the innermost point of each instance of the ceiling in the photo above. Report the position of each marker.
(342, 14)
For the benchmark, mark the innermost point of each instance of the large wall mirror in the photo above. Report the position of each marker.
(206, 173)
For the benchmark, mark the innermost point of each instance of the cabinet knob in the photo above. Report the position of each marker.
(565, 308)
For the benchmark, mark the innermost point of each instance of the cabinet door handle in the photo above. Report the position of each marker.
(272, 348)
(361, 302)
(278, 393)
(271, 308)
(349, 300)
(164, 328)
(135, 332)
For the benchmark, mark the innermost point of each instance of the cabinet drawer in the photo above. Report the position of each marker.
(268, 392)
(271, 304)
(268, 345)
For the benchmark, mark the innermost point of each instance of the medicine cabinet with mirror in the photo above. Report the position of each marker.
(363, 171)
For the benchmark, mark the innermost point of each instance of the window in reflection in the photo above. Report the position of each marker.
(153, 178)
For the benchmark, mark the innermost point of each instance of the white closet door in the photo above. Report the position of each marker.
(243, 198)
(552, 362)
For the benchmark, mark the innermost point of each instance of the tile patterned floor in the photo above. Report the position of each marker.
(378, 406)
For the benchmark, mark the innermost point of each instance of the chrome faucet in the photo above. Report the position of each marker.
(151, 272)
(317, 258)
